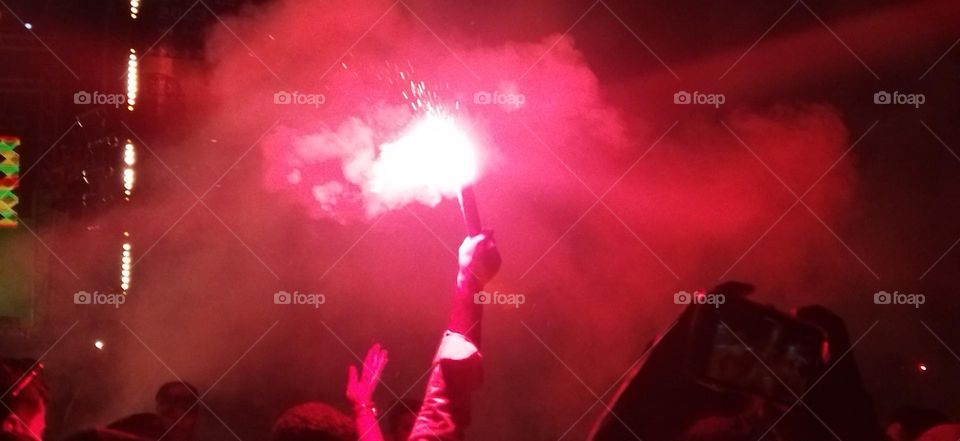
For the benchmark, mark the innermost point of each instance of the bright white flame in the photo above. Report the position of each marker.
(433, 159)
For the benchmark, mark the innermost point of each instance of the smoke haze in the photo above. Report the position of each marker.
(606, 199)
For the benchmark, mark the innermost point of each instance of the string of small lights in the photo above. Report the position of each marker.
(133, 80)
(134, 9)
(126, 263)
(129, 159)
(129, 156)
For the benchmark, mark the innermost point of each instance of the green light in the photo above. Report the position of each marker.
(8, 143)
(10, 167)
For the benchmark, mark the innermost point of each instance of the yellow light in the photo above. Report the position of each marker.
(129, 158)
(133, 83)
(126, 268)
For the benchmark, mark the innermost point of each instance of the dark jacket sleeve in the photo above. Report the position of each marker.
(457, 371)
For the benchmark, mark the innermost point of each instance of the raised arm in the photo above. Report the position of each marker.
(479, 262)
(360, 388)
(457, 368)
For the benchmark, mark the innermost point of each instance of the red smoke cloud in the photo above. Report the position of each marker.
(684, 202)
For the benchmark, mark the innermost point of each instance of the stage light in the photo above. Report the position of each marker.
(133, 80)
(98, 344)
(922, 367)
(134, 9)
(126, 268)
(28, 26)
(129, 158)
(129, 154)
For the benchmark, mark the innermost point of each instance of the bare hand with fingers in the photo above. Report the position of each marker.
(360, 386)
